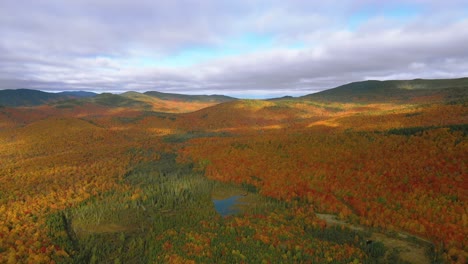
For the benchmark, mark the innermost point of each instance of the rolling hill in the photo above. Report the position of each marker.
(27, 97)
(371, 91)
(176, 103)
(115, 100)
(154, 101)
(134, 178)
(190, 98)
(442, 90)
(79, 94)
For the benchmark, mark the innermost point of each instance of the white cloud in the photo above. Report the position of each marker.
(101, 45)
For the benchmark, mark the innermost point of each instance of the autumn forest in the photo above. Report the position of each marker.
(368, 172)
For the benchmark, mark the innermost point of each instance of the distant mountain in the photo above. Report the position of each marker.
(190, 98)
(138, 96)
(27, 97)
(115, 100)
(156, 101)
(405, 91)
(449, 90)
(79, 94)
(176, 103)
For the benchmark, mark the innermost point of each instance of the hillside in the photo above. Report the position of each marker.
(176, 103)
(27, 97)
(190, 98)
(78, 94)
(115, 100)
(132, 178)
(253, 114)
(438, 90)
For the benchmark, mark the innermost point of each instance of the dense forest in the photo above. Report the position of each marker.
(371, 172)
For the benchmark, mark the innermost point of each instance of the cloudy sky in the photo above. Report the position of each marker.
(243, 48)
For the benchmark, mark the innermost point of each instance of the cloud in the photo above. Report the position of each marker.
(227, 47)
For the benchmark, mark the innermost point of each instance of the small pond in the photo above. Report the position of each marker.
(228, 206)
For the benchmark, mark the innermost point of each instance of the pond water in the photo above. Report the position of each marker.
(226, 207)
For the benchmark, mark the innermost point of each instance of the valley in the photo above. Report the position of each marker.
(132, 178)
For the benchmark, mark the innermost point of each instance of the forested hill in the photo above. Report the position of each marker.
(448, 90)
(190, 98)
(27, 97)
(371, 91)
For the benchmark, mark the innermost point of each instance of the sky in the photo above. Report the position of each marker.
(242, 48)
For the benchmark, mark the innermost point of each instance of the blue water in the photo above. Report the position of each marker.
(226, 206)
